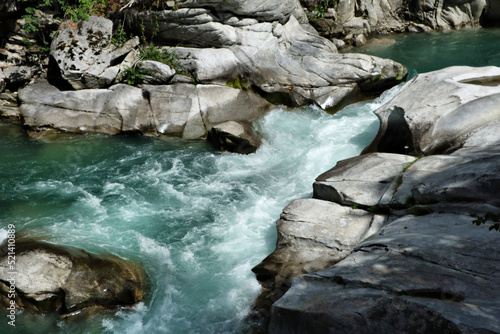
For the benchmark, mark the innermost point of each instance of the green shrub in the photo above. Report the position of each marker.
(490, 216)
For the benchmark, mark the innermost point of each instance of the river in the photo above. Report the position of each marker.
(196, 219)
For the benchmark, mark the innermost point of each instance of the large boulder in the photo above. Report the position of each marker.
(262, 10)
(361, 180)
(83, 52)
(437, 112)
(312, 235)
(183, 110)
(429, 274)
(66, 280)
(446, 14)
(287, 63)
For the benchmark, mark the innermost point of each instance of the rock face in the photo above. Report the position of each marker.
(431, 113)
(428, 268)
(183, 110)
(429, 274)
(286, 62)
(351, 18)
(84, 53)
(68, 280)
(312, 234)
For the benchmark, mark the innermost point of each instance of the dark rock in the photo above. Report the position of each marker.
(237, 137)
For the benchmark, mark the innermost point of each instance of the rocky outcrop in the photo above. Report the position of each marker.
(67, 280)
(429, 268)
(312, 234)
(183, 110)
(432, 112)
(281, 62)
(287, 63)
(350, 19)
(429, 274)
(84, 53)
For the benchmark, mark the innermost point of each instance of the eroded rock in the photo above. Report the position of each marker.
(432, 112)
(83, 52)
(431, 273)
(67, 280)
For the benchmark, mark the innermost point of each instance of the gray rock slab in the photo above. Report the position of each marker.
(314, 234)
(361, 180)
(435, 112)
(432, 273)
(470, 177)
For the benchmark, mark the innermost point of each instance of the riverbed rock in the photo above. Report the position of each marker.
(429, 274)
(238, 137)
(361, 180)
(312, 235)
(83, 52)
(67, 280)
(432, 112)
(184, 110)
(288, 64)
(467, 175)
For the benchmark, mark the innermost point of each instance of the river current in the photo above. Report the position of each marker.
(196, 219)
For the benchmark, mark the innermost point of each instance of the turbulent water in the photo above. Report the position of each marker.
(197, 220)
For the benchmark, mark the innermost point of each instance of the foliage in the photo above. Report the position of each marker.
(239, 83)
(120, 36)
(73, 10)
(134, 76)
(323, 6)
(490, 216)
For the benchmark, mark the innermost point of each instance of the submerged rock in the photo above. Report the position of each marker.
(67, 280)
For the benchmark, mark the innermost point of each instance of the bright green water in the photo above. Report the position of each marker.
(197, 220)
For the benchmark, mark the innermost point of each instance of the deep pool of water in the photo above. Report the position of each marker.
(425, 52)
(198, 220)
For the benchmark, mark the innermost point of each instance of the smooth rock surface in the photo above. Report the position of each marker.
(429, 274)
(183, 110)
(432, 112)
(312, 235)
(288, 63)
(66, 280)
(361, 180)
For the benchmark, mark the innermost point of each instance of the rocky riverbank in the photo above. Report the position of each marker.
(424, 265)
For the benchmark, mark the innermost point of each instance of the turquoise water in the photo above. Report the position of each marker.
(198, 220)
(427, 52)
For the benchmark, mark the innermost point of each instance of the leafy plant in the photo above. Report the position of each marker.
(490, 216)
(323, 6)
(134, 76)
